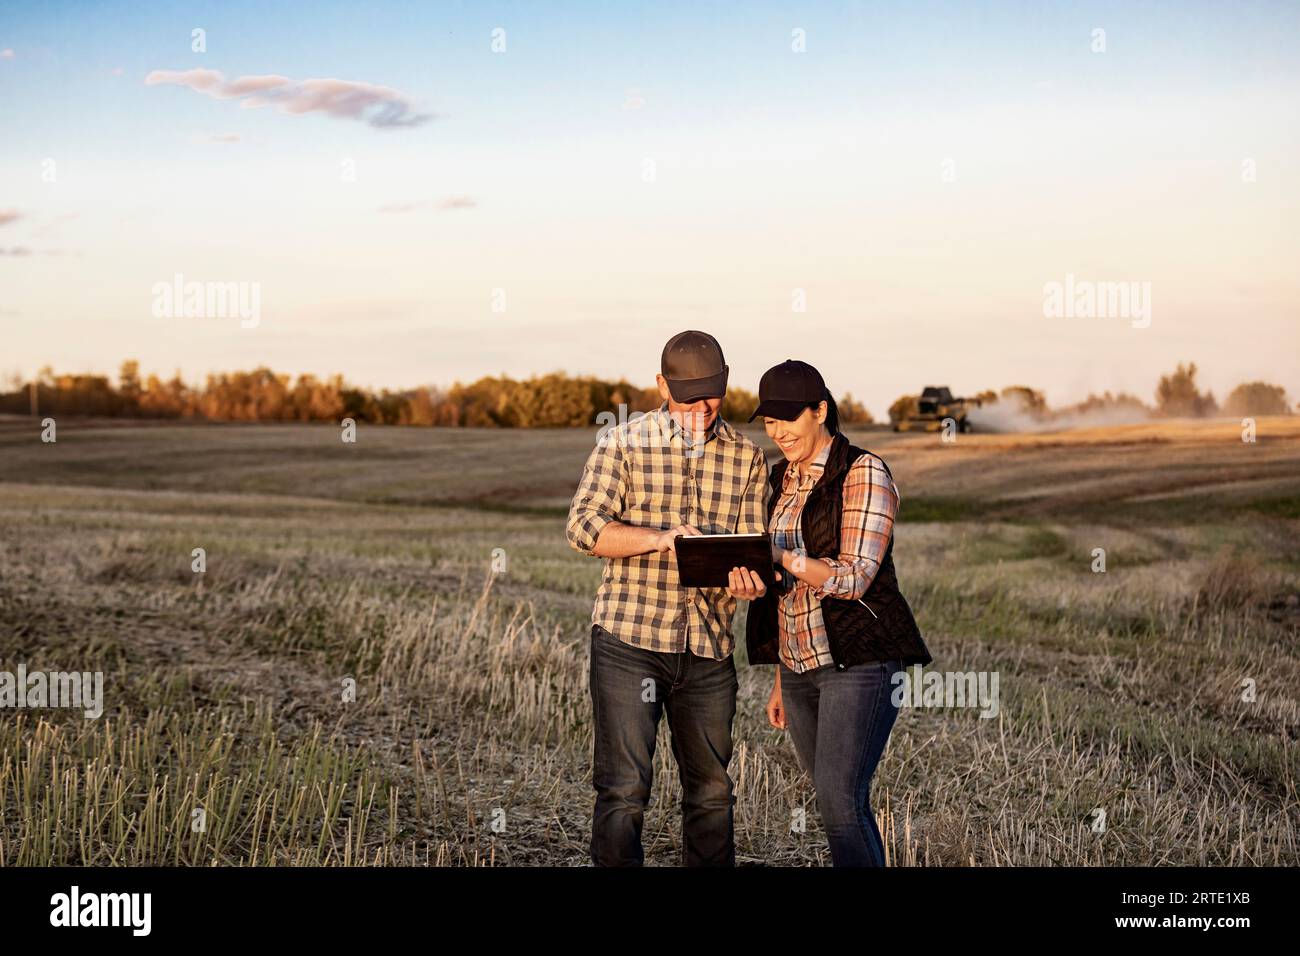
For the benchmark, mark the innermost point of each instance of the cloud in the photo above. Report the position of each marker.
(6, 54)
(200, 80)
(458, 202)
(9, 215)
(442, 205)
(220, 138)
(25, 251)
(381, 106)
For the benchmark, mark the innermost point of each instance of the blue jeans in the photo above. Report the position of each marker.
(840, 721)
(630, 689)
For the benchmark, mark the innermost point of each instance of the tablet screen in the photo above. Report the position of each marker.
(706, 560)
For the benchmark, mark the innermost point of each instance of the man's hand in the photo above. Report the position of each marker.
(618, 540)
(665, 540)
(746, 584)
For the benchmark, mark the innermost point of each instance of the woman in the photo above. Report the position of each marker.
(835, 625)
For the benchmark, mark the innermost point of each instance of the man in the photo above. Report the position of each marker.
(657, 647)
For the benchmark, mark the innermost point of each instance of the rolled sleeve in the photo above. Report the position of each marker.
(599, 498)
(866, 526)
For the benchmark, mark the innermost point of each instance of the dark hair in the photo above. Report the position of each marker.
(832, 413)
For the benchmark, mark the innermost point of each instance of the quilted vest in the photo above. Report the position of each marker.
(880, 627)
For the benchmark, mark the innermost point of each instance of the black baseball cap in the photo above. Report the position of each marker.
(693, 365)
(785, 390)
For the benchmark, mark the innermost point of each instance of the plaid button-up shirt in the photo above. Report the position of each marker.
(870, 505)
(647, 472)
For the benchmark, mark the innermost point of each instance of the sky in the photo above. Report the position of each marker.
(422, 193)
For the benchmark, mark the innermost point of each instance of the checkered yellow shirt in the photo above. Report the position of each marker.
(647, 473)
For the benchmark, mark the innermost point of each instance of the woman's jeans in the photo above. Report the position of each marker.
(839, 721)
(631, 689)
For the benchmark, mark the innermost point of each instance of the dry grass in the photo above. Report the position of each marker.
(469, 739)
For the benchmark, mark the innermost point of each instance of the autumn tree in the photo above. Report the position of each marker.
(1257, 398)
(1107, 402)
(129, 387)
(853, 412)
(738, 404)
(1178, 396)
(904, 407)
(1030, 399)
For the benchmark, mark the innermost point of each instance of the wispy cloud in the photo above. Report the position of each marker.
(6, 54)
(9, 215)
(441, 205)
(380, 106)
(458, 202)
(24, 251)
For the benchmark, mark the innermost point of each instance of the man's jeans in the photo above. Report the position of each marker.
(630, 689)
(839, 721)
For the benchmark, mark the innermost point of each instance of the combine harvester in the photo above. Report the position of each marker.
(934, 406)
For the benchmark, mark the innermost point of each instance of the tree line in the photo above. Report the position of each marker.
(1176, 396)
(555, 400)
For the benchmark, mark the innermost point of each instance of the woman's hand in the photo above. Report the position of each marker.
(746, 584)
(775, 709)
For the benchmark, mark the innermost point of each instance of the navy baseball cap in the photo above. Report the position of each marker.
(785, 390)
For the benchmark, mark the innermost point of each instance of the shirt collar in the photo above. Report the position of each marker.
(815, 469)
(720, 428)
